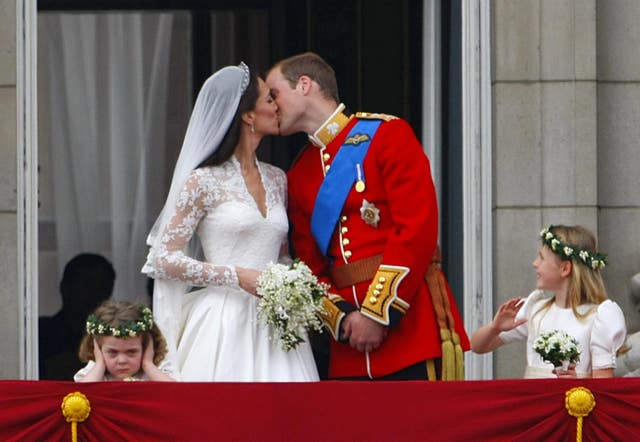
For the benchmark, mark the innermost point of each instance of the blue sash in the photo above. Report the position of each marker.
(339, 180)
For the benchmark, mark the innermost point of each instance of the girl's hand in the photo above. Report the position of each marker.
(96, 374)
(97, 353)
(505, 318)
(487, 337)
(248, 280)
(149, 368)
(569, 373)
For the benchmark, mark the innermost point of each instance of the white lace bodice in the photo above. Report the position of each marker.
(216, 204)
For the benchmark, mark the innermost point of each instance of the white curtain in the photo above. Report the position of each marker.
(107, 79)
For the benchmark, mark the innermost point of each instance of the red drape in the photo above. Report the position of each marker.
(514, 410)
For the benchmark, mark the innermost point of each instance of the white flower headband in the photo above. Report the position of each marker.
(130, 330)
(566, 251)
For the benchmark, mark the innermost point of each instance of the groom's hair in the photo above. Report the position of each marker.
(230, 140)
(314, 67)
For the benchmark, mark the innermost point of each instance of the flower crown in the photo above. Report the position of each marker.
(567, 251)
(129, 330)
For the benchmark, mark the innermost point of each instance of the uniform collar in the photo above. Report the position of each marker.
(330, 128)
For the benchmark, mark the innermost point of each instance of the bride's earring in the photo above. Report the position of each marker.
(253, 129)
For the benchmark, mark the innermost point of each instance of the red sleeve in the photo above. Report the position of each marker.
(411, 198)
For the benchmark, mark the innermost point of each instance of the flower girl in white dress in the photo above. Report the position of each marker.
(568, 267)
(237, 207)
(123, 344)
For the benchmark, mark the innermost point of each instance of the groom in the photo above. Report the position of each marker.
(364, 214)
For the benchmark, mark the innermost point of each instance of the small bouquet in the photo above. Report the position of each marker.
(291, 302)
(558, 348)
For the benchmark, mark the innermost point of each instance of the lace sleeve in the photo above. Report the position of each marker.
(170, 260)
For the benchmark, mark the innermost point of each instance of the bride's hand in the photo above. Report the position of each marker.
(247, 279)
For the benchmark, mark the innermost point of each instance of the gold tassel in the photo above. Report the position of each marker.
(448, 356)
(452, 354)
(459, 357)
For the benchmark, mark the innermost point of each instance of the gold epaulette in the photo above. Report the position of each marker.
(375, 116)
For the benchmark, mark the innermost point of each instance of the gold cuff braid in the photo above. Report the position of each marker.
(332, 316)
(382, 292)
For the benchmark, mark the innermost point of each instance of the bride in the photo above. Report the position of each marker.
(236, 205)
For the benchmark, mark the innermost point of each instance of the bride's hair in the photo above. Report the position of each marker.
(230, 140)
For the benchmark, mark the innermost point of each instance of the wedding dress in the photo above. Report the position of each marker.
(221, 338)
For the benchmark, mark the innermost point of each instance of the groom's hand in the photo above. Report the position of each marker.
(363, 333)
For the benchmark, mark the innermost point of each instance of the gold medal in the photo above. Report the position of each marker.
(360, 186)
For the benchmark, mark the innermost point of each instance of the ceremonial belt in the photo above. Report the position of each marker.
(355, 272)
(339, 180)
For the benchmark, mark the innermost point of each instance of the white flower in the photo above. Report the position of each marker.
(554, 243)
(597, 264)
(584, 255)
(291, 302)
(557, 346)
(568, 251)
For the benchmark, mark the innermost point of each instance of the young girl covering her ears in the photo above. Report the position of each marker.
(570, 297)
(123, 344)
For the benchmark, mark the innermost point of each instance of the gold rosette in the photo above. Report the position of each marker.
(75, 408)
(579, 402)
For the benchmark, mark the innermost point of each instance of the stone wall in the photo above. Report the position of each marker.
(618, 95)
(545, 155)
(566, 129)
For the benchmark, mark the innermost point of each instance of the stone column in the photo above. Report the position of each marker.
(544, 135)
(10, 315)
(618, 89)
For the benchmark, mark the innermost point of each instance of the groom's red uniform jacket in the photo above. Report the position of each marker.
(399, 191)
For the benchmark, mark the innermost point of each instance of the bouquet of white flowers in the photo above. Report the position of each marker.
(291, 302)
(558, 348)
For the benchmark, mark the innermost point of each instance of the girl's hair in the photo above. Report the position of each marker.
(586, 285)
(119, 314)
(230, 140)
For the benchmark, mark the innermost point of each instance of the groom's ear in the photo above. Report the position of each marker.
(304, 84)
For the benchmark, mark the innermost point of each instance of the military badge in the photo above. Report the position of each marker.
(333, 128)
(369, 213)
(357, 139)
